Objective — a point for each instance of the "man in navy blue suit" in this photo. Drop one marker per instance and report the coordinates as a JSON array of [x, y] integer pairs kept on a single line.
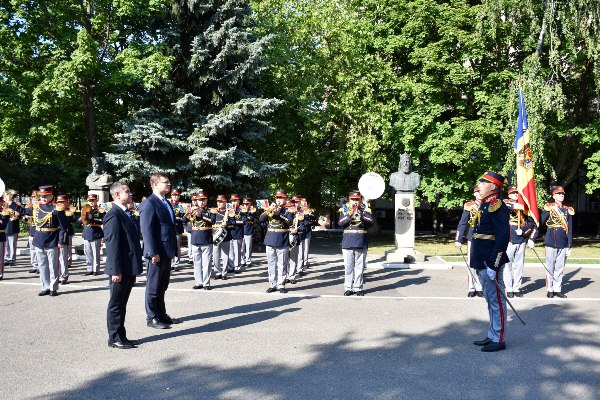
[[157, 222], [123, 263]]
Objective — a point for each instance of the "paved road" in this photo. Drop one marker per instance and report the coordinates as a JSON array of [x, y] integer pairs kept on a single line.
[[410, 337]]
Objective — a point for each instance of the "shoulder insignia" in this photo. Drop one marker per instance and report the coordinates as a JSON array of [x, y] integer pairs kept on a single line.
[[507, 201], [571, 210], [60, 207], [341, 210], [548, 206], [213, 211], [494, 205], [69, 213], [468, 205], [5, 212], [367, 209]]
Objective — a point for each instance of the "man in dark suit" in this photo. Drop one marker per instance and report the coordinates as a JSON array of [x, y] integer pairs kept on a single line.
[[123, 263], [157, 222]]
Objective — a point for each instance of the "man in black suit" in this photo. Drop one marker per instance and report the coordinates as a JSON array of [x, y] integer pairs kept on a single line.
[[123, 263], [157, 222]]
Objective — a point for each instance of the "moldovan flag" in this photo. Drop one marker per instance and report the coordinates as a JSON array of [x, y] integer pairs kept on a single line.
[[525, 175]]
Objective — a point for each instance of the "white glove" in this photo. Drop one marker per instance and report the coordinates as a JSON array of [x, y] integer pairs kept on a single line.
[[519, 231], [530, 244], [491, 273], [458, 244], [568, 254]]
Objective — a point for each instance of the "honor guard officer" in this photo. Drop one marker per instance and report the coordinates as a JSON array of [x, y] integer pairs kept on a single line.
[[558, 241], [222, 226], [354, 218], [301, 216], [91, 219], [50, 235], [179, 212], [466, 220], [249, 216], [237, 236], [201, 220], [488, 256], [65, 253], [278, 221], [521, 226], [4, 218], [12, 230]]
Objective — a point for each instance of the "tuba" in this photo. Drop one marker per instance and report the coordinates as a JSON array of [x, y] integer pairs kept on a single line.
[[86, 213], [371, 185]]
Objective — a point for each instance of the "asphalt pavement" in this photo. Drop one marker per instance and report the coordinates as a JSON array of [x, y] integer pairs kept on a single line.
[[410, 337]]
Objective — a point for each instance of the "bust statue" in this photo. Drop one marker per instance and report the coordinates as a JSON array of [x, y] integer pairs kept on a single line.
[[98, 179], [404, 180]]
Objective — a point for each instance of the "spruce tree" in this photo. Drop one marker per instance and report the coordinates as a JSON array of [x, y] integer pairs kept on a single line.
[[204, 126]]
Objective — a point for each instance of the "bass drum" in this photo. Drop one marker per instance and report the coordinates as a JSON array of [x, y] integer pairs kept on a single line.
[[293, 241], [219, 235]]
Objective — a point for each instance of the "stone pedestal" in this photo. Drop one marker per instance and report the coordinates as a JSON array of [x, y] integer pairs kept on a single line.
[[404, 231]]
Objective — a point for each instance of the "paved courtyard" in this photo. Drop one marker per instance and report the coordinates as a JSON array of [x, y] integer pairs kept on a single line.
[[410, 337]]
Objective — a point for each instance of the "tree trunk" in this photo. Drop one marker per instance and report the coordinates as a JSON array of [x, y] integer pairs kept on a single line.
[[90, 116]]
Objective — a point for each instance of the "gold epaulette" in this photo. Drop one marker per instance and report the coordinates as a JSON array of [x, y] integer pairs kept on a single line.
[[60, 207], [213, 211], [367, 209], [494, 205], [101, 210], [5, 212], [341, 210], [69, 214], [548, 206], [507, 201], [571, 210], [468, 205]]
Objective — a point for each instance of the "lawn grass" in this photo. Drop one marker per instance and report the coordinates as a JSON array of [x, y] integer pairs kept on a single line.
[[586, 250]]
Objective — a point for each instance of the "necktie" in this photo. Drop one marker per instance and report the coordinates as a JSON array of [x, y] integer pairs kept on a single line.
[[169, 208]]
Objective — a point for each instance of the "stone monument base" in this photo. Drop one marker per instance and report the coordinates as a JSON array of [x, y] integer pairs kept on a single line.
[[395, 261], [404, 255]]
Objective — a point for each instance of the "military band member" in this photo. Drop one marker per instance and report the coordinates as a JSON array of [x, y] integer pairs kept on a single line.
[[310, 220], [521, 226], [12, 230], [179, 212], [558, 219], [65, 253], [296, 230], [34, 199], [276, 241], [466, 224], [201, 220], [237, 236], [91, 219], [249, 216], [50, 235], [354, 218], [220, 252], [4, 218], [488, 256]]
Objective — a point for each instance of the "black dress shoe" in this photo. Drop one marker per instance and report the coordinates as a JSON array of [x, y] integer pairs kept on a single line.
[[121, 345], [33, 271], [197, 287], [283, 290], [271, 290], [559, 294], [550, 295], [169, 321], [219, 276], [518, 294], [96, 273], [132, 342], [156, 324], [360, 293], [483, 342], [493, 346], [471, 294], [53, 293], [301, 273], [224, 277], [238, 271], [293, 281], [88, 273], [44, 292], [510, 295], [207, 288], [348, 293], [479, 293], [65, 280]]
